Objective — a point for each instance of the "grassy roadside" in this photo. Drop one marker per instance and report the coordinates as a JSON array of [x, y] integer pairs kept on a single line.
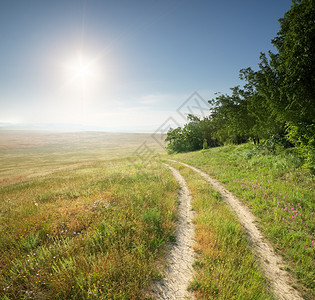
[[92, 231], [279, 193], [225, 268]]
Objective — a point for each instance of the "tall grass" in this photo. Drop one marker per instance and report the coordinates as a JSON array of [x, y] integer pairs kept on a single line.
[[91, 232], [278, 191]]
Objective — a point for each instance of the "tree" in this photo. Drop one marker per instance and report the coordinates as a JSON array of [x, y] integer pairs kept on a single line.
[[231, 121], [262, 94], [191, 137], [277, 101], [295, 63]]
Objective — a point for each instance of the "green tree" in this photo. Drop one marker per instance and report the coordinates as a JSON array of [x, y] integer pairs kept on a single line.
[[231, 121], [261, 92], [277, 102], [191, 137], [295, 63]]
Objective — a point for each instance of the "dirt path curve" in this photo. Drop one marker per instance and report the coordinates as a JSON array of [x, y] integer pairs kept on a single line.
[[179, 270], [272, 264]]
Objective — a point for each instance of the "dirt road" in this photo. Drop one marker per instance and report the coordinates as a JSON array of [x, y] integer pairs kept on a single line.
[[271, 263], [180, 259]]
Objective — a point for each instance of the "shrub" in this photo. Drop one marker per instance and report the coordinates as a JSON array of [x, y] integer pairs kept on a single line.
[[302, 136]]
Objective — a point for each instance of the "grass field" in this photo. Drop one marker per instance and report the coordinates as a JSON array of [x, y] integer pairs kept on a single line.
[[82, 216], [278, 191], [79, 222]]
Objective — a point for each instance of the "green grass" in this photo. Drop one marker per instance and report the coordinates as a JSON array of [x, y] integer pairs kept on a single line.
[[85, 233], [225, 268], [82, 230], [79, 220], [278, 191]]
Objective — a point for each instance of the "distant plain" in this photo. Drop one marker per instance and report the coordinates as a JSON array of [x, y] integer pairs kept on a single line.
[[24, 154]]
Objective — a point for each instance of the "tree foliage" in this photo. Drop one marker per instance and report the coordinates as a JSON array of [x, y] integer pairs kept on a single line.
[[295, 62], [277, 101], [192, 136]]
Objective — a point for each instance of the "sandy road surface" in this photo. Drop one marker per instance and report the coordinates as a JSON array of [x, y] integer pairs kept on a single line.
[[179, 270]]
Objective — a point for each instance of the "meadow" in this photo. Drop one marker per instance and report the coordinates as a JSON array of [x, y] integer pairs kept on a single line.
[[83, 216], [77, 221], [278, 191]]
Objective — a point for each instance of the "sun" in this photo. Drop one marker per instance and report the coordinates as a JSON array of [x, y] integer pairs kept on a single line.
[[82, 70]]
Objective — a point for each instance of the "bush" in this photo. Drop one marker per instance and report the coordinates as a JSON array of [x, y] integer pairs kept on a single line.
[[302, 136]]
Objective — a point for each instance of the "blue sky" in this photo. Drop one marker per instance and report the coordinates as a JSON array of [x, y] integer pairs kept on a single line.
[[124, 65]]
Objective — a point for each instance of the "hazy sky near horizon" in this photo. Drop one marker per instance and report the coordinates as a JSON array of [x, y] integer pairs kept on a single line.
[[125, 65]]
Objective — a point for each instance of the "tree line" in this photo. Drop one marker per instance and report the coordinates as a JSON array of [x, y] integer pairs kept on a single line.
[[276, 104]]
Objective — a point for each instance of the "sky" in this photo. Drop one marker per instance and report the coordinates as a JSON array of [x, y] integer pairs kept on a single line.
[[121, 65]]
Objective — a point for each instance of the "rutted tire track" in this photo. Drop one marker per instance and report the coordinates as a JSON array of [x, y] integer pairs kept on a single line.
[[272, 264], [180, 259]]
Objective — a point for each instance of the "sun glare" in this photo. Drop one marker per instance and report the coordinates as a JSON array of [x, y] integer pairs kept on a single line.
[[82, 70]]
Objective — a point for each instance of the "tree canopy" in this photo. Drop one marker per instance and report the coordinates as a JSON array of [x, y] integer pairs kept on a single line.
[[276, 102]]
